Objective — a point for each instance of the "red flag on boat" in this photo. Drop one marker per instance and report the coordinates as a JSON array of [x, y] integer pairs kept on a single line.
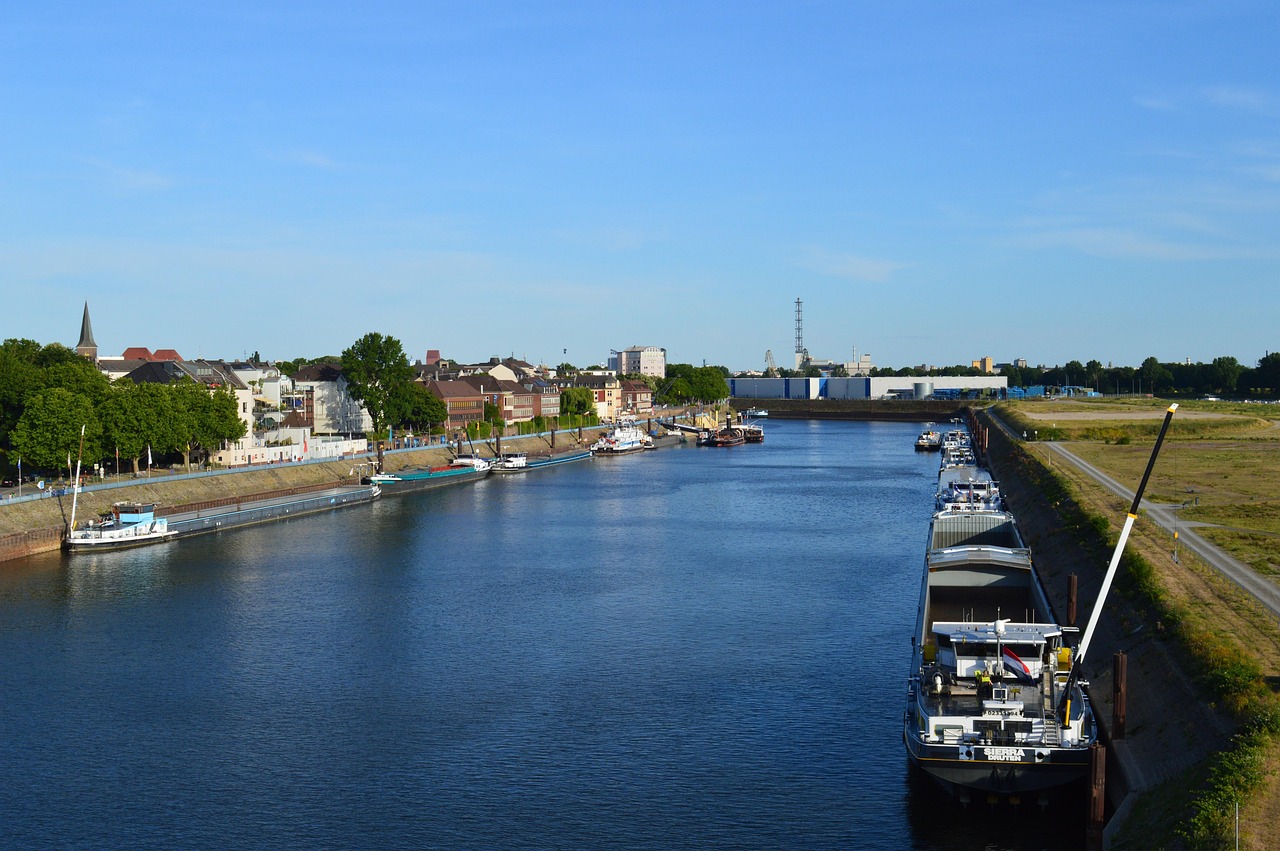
[[1015, 664]]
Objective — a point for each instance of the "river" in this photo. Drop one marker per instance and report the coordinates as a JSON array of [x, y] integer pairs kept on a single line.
[[683, 648]]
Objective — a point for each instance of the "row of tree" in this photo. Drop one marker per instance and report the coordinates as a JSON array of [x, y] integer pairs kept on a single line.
[[1223, 375], [47, 393]]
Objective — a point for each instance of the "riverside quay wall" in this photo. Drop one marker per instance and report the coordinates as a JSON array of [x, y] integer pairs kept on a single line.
[[857, 409], [31, 526]]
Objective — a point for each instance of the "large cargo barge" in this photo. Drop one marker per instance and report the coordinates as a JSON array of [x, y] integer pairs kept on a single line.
[[990, 667], [996, 703], [411, 480], [250, 512]]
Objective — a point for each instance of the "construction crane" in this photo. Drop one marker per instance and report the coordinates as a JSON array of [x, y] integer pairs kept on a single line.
[[770, 368]]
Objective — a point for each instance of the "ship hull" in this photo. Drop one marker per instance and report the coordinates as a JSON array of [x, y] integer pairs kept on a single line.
[[998, 770]]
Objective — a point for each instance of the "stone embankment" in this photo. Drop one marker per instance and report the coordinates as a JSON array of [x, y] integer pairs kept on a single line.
[[856, 409], [31, 527]]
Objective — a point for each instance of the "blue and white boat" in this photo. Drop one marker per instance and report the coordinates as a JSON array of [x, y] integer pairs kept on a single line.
[[624, 437], [128, 524], [520, 462]]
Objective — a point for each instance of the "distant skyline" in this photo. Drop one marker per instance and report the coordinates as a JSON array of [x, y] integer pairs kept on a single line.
[[937, 182]]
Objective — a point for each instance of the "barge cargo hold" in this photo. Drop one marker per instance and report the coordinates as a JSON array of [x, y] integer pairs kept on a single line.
[[990, 668], [261, 511]]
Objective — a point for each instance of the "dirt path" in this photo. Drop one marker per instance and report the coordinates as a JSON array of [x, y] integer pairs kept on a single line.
[[1101, 415]]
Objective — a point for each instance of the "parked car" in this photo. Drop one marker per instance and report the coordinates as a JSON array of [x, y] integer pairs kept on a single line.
[[8, 483]]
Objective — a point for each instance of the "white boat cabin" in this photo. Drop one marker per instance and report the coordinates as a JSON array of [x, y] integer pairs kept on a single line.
[[1019, 650]]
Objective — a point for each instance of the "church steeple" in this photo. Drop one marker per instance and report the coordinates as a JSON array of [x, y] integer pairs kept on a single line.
[[87, 347]]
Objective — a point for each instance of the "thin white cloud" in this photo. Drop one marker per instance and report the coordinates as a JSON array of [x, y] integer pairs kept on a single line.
[[1270, 173], [1244, 100], [1234, 98], [310, 159], [1155, 104], [613, 239], [850, 266], [1124, 243], [131, 179]]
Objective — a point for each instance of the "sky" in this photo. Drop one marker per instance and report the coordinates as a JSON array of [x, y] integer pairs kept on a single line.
[[936, 181]]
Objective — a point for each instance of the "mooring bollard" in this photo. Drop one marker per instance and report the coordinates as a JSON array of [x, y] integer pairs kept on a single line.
[[1120, 692]]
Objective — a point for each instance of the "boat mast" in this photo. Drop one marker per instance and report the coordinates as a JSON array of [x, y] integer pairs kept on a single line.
[[75, 484], [1124, 536]]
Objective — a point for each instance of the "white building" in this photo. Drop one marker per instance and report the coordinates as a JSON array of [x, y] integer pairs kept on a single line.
[[328, 407], [905, 387], [644, 360]]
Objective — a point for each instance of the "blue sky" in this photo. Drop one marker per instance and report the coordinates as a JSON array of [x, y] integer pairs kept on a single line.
[[936, 181]]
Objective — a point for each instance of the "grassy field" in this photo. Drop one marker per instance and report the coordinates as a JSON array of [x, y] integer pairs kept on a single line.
[[1222, 462]]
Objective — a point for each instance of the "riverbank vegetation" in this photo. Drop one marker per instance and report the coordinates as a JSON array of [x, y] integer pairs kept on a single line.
[[48, 394], [1223, 375], [1218, 463]]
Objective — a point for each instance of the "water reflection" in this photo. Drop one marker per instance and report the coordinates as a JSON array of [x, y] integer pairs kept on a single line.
[[684, 647]]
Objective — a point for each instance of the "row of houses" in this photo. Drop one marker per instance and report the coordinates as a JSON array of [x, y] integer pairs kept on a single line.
[[312, 413], [317, 396]]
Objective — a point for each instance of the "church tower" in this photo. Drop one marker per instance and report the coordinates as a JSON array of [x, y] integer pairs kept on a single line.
[[87, 347]]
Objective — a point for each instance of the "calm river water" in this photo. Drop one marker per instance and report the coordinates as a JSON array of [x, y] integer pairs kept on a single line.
[[684, 648]]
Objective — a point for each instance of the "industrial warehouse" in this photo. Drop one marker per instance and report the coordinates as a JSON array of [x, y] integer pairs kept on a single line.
[[863, 387]]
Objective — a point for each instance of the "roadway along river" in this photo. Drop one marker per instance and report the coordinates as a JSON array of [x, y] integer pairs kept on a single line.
[[688, 647]]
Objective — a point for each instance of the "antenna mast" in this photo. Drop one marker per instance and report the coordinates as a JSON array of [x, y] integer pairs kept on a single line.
[[799, 333]]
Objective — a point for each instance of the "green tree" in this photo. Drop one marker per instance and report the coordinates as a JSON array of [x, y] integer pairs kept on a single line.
[[566, 369], [19, 375], [1074, 373], [79, 376], [202, 419], [127, 419], [1155, 376], [1093, 373], [493, 416], [678, 392], [421, 409], [1268, 372], [708, 384], [377, 371], [1224, 372], [577, 401], [49, 429]]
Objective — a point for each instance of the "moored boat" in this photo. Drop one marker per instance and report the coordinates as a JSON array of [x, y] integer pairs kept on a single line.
[[996, 702], [990, 668], [523, 463], [624, 437], [727, 436], [473, 461], [403, 481], [128, 524], [511, 462], [929, 441]]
